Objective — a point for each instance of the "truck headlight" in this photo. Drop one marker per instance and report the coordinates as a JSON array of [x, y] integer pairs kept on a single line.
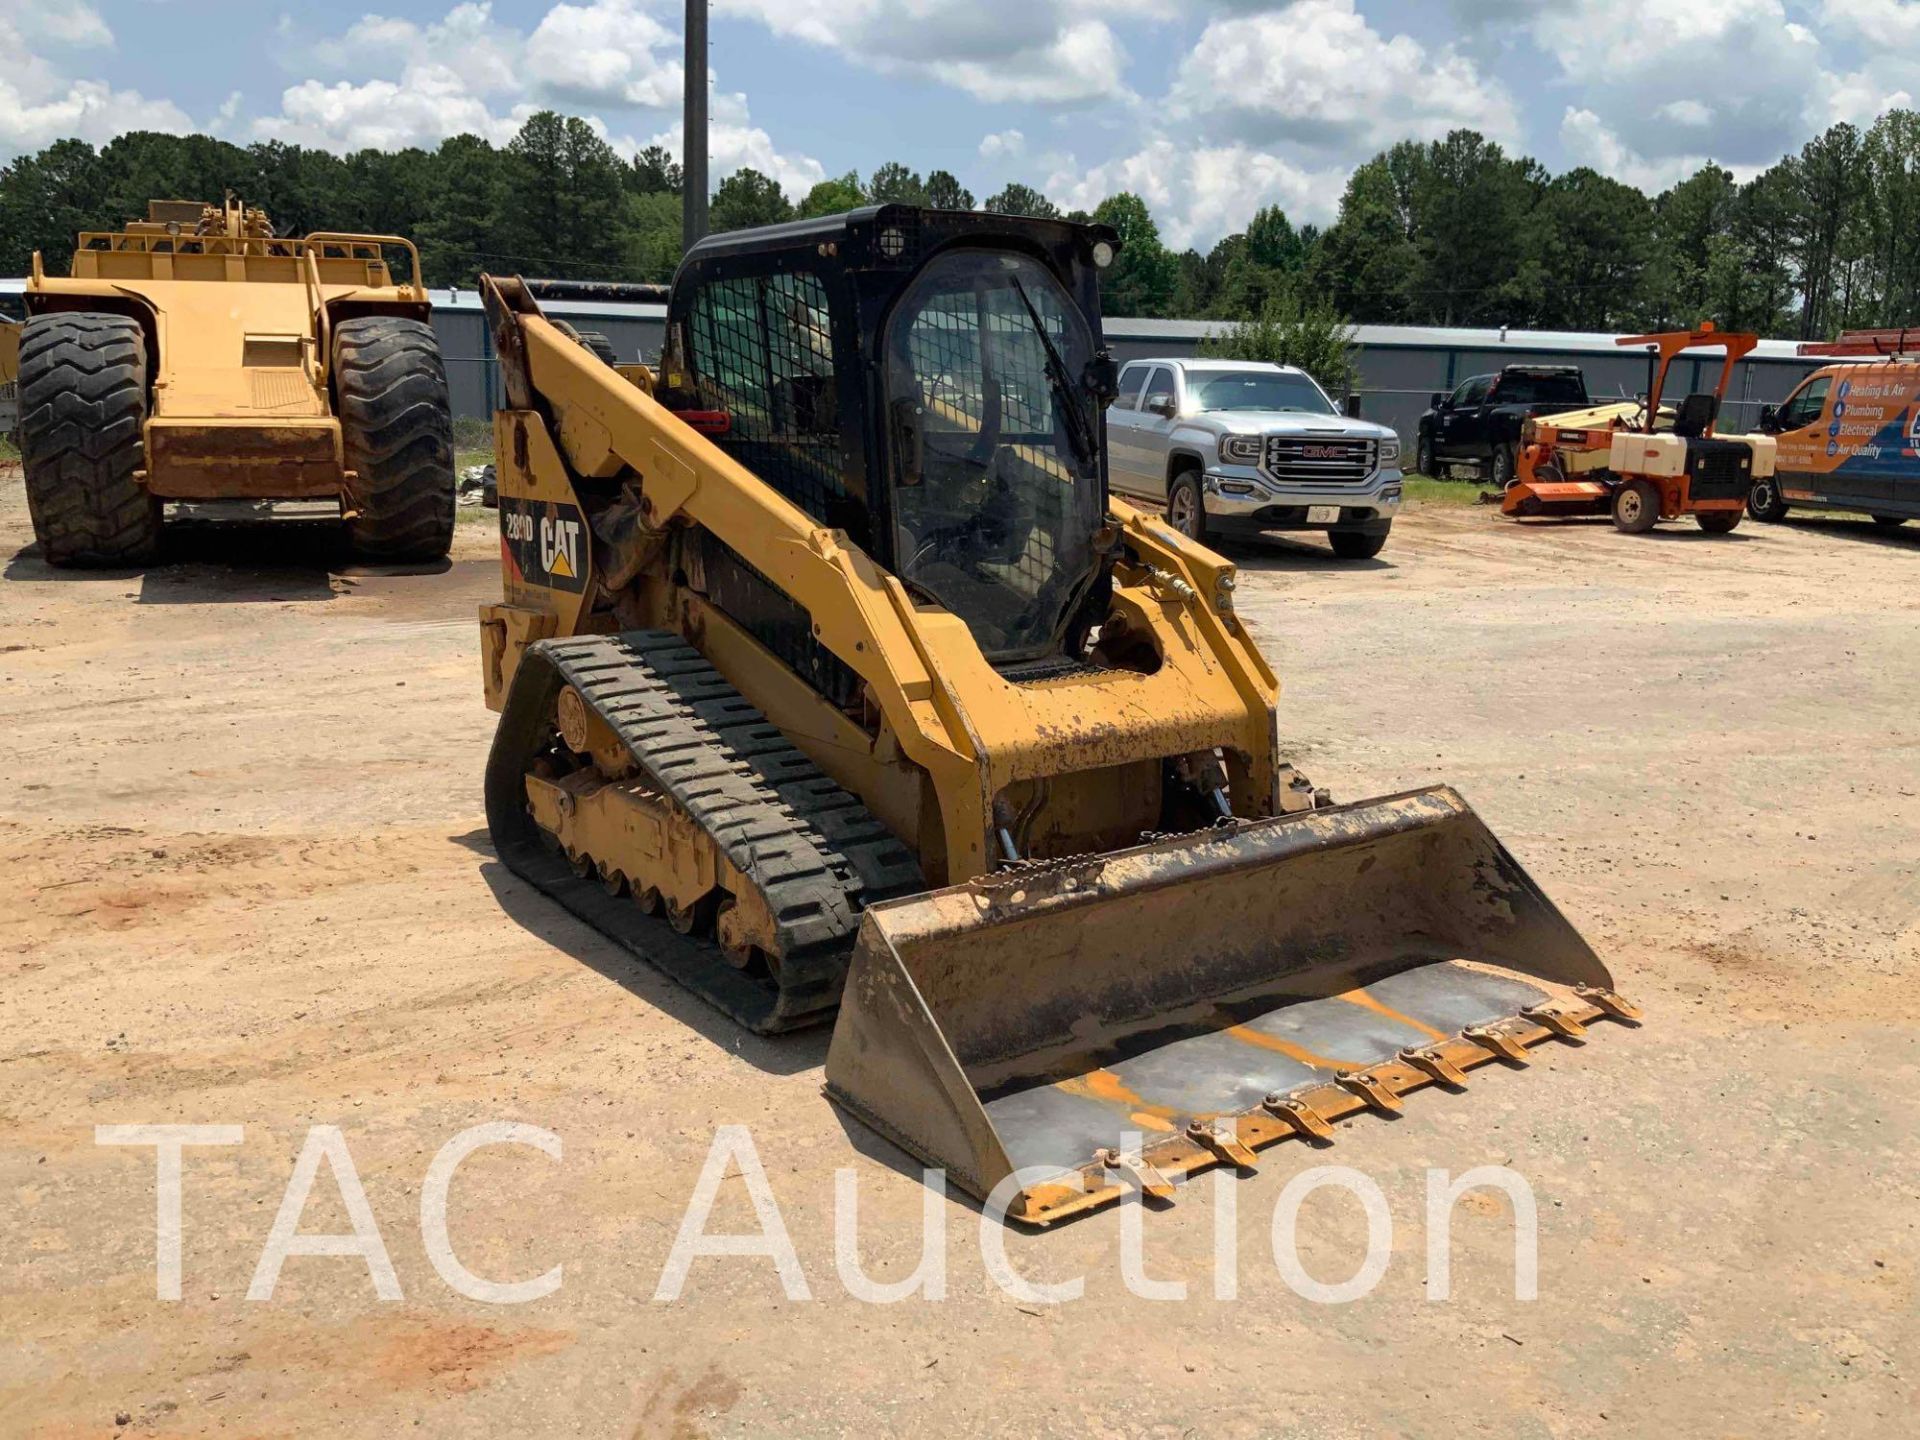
[[1240, 449], [1390, 451]]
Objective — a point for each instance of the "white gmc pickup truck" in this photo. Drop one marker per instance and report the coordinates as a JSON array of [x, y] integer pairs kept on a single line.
[[1229, 445]]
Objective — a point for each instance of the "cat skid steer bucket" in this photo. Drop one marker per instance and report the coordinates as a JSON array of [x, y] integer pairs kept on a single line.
[[1056, 1036]]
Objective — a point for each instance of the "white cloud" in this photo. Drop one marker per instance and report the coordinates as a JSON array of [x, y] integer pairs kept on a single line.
[[65, 24], [468, 72], [1868, 93], [1083, 62], [465, 42], [1198, 195], [1589, 141], [606, 53], [1317, 74], [734, 143], [1686, 112], [41, 103], [1657, 56], [1003, 145], [1887, 24], [448, 74], [428, 105], [1040, 52]]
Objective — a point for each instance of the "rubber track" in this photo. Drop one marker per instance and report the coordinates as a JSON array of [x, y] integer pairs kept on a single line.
[[83, 399], [391, 387], [813, 850]]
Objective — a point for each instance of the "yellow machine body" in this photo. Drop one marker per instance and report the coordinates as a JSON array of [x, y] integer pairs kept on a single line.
[[1057, 995], [238, 326], [952, 735]]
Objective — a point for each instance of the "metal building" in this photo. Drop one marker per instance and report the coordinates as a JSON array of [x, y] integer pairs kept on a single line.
[[1401, 366]]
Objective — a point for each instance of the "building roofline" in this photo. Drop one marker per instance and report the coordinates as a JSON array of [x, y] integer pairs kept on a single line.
[[1517, 343]]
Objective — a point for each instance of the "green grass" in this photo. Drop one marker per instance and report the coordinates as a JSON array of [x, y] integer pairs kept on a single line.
[[9, 452], [473, 445], [470, 432], [1442, 492]]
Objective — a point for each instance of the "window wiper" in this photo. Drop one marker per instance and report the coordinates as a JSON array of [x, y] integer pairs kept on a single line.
[[1079, 429]]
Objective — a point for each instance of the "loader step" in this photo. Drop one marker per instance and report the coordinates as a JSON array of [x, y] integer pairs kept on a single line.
[[813, 851]]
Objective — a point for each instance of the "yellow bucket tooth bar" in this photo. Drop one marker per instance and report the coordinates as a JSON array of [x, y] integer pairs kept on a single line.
[[1113, 1024], [1311, 1113]]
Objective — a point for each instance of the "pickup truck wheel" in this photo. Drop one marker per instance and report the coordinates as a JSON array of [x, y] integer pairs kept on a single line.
[[1636, 508], [1352, 545], [1423, 456], [1764, 502], [1186, 510], [1502, 467]]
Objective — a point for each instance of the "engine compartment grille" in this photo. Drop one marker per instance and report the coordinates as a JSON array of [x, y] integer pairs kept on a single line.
[[1719, 469], [1313, 460]]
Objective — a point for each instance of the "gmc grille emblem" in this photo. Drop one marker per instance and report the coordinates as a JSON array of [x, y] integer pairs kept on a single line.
[[1322, 452]]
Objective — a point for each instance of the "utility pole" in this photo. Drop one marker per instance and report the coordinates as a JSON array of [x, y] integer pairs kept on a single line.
[[693, 128]]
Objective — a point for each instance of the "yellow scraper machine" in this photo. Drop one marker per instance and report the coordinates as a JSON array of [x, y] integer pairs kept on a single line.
[[197, 357], [830, 674]]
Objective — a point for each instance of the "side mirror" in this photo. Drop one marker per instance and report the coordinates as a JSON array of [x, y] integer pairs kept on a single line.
[[1438, 401], [1102, 377], [1161, 404], [1353, 406], [1769, 419]]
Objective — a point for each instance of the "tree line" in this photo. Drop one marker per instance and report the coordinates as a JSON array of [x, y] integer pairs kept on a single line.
[[1449, 232]]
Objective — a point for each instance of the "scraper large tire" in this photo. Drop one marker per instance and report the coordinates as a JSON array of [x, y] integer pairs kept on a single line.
[[83, 401], [391, 389]]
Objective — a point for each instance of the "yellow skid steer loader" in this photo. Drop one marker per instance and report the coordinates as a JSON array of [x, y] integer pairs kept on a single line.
[[829, 673]]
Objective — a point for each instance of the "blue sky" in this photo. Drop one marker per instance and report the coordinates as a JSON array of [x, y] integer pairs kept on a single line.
[[1207, 110]]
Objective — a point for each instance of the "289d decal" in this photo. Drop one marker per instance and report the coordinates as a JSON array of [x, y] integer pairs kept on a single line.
[[544, 542]]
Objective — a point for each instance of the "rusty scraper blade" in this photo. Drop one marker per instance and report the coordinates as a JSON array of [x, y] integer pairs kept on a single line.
[[1112, 1025]]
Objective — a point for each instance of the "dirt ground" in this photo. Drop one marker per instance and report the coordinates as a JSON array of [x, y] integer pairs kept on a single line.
[[247, 882]]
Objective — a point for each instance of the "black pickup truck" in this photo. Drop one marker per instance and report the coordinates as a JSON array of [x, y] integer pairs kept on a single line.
[[1479, 424]]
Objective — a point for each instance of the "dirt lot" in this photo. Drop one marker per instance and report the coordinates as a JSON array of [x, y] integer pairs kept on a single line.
[[248, 883]]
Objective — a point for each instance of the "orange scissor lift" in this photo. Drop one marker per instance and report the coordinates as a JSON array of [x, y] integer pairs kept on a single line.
[[1639, 463]]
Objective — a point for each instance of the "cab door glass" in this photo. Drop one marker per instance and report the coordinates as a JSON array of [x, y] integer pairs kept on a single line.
[[1471, 393], [1123, 424], [1807, 404], [1461, 424], [997, 489], [1159, 383]]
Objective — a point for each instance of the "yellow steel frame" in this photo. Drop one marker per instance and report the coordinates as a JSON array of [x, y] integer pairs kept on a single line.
[[944, 709]]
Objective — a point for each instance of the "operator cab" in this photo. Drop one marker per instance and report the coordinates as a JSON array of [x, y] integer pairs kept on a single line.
[[930, 382]]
